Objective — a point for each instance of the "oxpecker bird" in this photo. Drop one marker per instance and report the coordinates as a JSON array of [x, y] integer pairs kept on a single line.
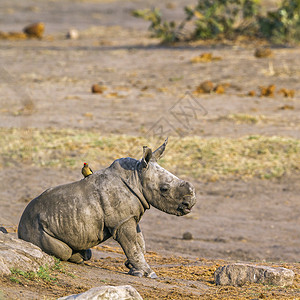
[[86, 170]]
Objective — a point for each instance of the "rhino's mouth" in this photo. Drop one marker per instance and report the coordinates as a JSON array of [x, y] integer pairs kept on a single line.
[[186, 205], [184, 208]]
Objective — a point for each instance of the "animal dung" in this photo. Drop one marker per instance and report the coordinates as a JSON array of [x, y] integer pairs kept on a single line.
[[286, 106], [205, 57], [252, 93], [12, 35], [205, 87], [263, 52], [220, 88], [187, 236], [287, 93], [35, 30], [267, 91], [98, 89]]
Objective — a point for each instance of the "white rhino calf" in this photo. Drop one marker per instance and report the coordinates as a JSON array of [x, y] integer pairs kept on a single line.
[[67, 220]]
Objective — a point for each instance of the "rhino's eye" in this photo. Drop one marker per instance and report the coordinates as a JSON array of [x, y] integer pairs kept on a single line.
[[164, 188]]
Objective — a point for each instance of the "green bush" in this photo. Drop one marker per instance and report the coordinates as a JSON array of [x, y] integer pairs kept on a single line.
[[282, 25], [229, 19], [223, 18], [167, 31]]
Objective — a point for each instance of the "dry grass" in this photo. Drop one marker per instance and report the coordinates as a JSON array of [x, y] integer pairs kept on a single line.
[[208, 159]]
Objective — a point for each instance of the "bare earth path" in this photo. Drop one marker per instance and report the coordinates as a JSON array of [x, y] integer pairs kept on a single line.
[[46, 83]]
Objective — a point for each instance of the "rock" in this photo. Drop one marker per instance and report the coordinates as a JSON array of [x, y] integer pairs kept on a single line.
[[107, 292], [18, 254], [238, 274], [187, 236], [35, 30], [73, 34]]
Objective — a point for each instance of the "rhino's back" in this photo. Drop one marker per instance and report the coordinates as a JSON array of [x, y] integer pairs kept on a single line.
[[70, 212]]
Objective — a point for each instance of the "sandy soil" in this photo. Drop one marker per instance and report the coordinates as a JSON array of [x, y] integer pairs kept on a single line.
[[145, 82]]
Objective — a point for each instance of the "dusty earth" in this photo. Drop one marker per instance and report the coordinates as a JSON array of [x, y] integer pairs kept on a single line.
[[46, 83]]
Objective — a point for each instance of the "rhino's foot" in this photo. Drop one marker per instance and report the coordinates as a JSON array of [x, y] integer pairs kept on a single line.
[[141, 273], [152, 275], [76, 258], [86, 254], [81, 256], [135, 272]]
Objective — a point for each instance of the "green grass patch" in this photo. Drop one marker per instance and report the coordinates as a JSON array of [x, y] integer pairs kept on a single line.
[[244, 118], [44, 274], [207, 159]]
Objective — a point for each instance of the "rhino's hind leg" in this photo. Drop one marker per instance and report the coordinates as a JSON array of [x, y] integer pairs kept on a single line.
[[55, 247]]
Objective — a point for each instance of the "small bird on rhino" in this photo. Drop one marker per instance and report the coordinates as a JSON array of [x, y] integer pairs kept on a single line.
[[86, 170]]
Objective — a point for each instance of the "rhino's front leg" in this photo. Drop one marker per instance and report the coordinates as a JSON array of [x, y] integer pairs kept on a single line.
[[141, 243], [127, 237]]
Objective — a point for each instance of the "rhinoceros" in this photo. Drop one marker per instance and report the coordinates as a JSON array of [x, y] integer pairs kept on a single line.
[[67, 220]]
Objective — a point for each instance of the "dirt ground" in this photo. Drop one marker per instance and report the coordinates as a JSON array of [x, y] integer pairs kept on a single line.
[[46, 83]]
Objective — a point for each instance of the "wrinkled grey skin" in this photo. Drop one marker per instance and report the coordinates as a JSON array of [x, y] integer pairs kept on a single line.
[[67, 220]]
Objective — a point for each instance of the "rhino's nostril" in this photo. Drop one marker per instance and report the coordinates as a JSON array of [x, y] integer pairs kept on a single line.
[[187, 205]]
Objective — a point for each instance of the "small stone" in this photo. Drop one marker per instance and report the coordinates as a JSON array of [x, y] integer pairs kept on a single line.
[[187, 236], [107, 292], [35, 30], [72, 34], [239, 274]]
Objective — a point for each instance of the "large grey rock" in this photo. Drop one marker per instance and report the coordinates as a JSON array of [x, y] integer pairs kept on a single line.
[[18, 254], [123, 292], [238, 274]]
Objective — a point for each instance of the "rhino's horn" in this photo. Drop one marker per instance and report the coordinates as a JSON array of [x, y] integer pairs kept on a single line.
[[157, 154]]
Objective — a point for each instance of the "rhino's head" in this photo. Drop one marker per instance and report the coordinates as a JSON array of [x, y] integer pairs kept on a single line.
[[161, 188]]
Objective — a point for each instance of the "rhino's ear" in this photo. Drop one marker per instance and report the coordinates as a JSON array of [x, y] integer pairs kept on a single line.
[[157, 154], [147, 155]]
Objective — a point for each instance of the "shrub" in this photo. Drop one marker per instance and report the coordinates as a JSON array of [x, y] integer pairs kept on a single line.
[[228, 19], [222, 17], [283, 24]]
